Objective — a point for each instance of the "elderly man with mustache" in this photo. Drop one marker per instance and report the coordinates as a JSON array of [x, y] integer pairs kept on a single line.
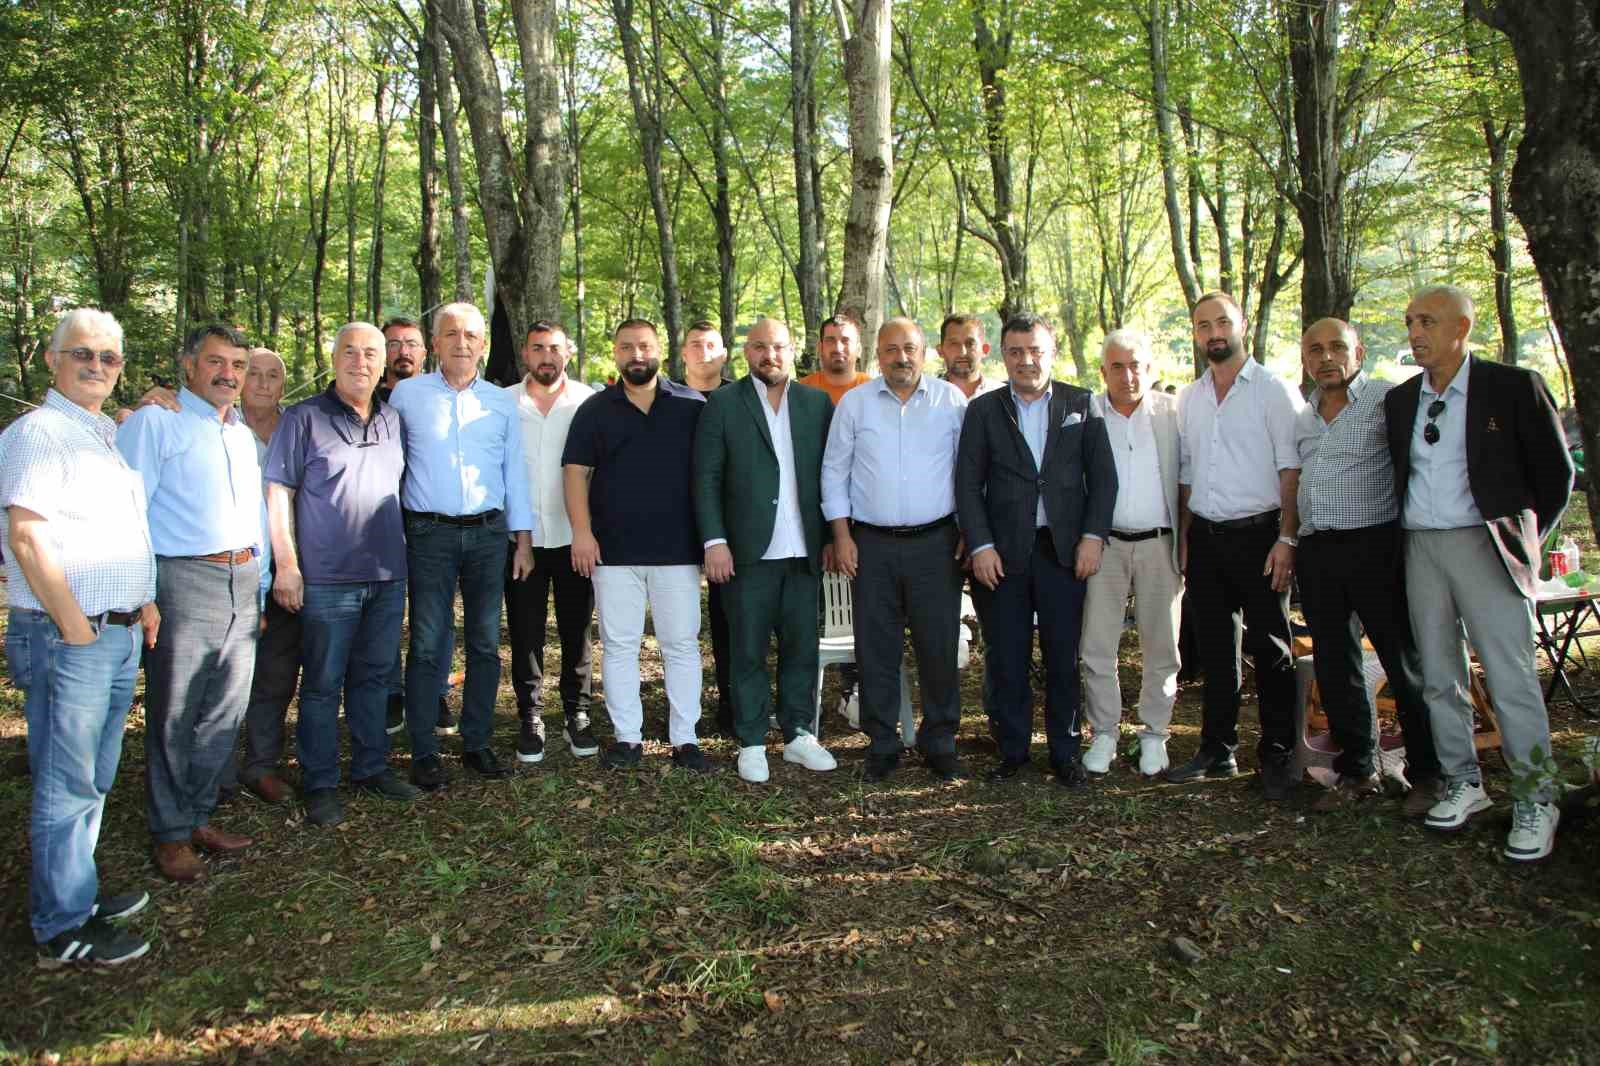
[[202, 483]]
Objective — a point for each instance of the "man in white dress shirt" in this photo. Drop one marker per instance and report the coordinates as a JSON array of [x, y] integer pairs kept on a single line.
[[1141, 557], [1239, 471], [546, 401]]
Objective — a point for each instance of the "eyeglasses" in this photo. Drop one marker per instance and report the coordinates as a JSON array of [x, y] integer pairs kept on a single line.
[[403, 346], [109, 359], [1430, 432]]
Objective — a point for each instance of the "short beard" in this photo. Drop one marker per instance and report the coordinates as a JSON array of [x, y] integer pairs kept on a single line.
[[546, 375], [1227, 353], [640, 375], [770, 377], [399, 374]]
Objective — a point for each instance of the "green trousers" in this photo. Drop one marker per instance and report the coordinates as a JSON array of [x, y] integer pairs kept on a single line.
[[766, 597]]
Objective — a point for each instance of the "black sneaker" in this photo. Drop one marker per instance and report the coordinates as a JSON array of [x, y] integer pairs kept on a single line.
[[484, 763], [945, 766], [620, 756], [388, 785], [580, 738], [879, 767], [115, 908], [1070, 774], [96, 941], [690, 757], [323, 807], [530, 744], [428, 773], [446, 726], [1204, 765], [395, 716], [1277, 777]]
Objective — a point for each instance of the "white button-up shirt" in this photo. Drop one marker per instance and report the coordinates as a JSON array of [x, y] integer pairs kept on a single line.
[[890, 463], [1141, 498], [788, 532], [1438, 495], [543, 438], [1230, 452]]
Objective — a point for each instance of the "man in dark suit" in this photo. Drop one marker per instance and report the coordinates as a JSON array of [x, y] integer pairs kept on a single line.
[[758, 501], [1035, 487], [1482, 472]]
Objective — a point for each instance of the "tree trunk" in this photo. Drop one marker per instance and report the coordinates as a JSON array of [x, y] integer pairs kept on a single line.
[[460, 227], [1327, 285], [1498, 141], [574, 134], [1554, 181], [380, 176], [426, 259], [866, 228], [1010, 245], [1156, 30], [802, 85]]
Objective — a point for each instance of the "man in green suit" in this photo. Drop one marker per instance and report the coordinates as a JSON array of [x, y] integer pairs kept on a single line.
[[758, 500]]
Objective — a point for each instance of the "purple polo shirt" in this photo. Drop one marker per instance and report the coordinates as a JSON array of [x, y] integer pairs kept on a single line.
[[346, 480]]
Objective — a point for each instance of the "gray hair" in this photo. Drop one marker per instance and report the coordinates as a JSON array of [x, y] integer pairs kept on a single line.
[[1451, 292], [459, 309], [86, 318], [268, 351], [1129, 340], [348, 327]]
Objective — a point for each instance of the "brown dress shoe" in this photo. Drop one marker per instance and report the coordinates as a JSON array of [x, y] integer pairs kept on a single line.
[[178, 862], [269, 787], [1423, 795], [211, 838]]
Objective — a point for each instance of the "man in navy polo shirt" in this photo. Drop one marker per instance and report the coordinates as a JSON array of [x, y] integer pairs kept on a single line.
[[338, 539], [628, 473]]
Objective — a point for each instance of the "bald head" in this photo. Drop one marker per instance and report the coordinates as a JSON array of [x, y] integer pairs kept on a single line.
[[769, 350], [263, 381], [1332, 353], [1439, 322]]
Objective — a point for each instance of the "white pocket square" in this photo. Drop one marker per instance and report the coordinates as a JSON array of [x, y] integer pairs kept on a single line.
[[1072, 418]]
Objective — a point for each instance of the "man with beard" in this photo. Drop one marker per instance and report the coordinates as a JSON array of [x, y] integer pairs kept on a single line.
[[888, 488], [465, 491], [627, 469], [1351, 576], [963, 347], [1035, 484], [203, 486], [546, 401], [333, 491], [404, 353], [705, 370], [1238, 475], [758, 497], [837, 353]]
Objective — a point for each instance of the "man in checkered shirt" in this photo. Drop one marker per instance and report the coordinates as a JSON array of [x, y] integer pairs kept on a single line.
[[82, 580]]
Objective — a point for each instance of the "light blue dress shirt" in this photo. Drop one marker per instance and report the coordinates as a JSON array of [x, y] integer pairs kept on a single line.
[[1033, 422], [1438, 495], [463, 450], [889, 463]]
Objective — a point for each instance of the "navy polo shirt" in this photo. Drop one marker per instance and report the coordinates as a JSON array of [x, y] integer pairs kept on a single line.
[[346, 477], [641, 502]]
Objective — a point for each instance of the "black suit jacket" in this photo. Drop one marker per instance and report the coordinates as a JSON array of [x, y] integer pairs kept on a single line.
[[998, 486], [1518, 468]]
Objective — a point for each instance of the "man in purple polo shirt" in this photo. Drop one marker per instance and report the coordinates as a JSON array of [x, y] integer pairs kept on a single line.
[[333, 499]]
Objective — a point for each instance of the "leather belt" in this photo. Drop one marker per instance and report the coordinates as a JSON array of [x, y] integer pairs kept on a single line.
[[235, 558], [907, 531], [483, 518], [1143, 534], [1265, 518], [116, 618]]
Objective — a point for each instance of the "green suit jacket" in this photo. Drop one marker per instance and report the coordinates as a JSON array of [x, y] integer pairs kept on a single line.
[[736, 469]]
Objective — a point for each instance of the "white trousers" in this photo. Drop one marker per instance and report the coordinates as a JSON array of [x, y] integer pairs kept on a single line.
[[672, 594], [1143, 567]]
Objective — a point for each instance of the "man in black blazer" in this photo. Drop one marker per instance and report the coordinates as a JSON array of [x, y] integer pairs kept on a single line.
[[1035, 487], [1482, 472]]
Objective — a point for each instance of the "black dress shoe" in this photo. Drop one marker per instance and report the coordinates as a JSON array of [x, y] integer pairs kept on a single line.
[[428, 773], [1007, 769], [1070, 774], [945, 766], [1204, 764], [483, 763], [879, 767], [1277, 777]]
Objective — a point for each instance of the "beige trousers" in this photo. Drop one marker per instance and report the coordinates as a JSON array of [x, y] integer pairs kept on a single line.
[[1144, 568]]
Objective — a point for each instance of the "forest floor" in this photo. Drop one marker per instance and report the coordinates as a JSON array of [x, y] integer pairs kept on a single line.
[[570, 914]]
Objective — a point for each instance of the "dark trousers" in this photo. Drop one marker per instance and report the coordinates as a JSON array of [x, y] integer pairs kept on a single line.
[[527, 609], [721, 655], [1225, 582], [271, 691], [908, 582], [1350, 580], [1051, 590], [766, 597]]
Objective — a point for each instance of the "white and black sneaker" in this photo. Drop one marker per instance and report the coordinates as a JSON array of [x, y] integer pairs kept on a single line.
[[530, 743], [580, 738], [95, 942], [115, 908]]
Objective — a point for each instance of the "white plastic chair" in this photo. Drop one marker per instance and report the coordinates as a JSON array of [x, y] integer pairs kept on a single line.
[[838, 645]]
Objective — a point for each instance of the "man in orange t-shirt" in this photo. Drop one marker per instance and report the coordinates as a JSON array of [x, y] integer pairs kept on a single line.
[[837, 351]]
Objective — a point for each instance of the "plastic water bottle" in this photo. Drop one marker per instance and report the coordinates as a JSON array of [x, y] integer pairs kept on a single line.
[[1569, 550]]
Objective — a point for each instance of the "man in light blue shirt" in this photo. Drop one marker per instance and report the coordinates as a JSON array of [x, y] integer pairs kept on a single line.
[[465, 489], [203, 486], [888, 488]]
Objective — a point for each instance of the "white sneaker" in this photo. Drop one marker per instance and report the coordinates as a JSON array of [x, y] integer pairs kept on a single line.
[[753, 763], [806, 750], [1102, 749], [850, 708], [1462, 799], [1152, 755], [1533, 830]]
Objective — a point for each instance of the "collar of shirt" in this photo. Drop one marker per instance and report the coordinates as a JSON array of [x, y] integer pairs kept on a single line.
[[1027, 405], [1247, 373], [1353, 393], [566, 396], [95, 422], [193, 404], [1458, 384], [882, 385], [664, 387], [761, 393]]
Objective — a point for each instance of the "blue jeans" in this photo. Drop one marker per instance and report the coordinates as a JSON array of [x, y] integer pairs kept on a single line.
[[439, 557], [346, 631], [76, 701]]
